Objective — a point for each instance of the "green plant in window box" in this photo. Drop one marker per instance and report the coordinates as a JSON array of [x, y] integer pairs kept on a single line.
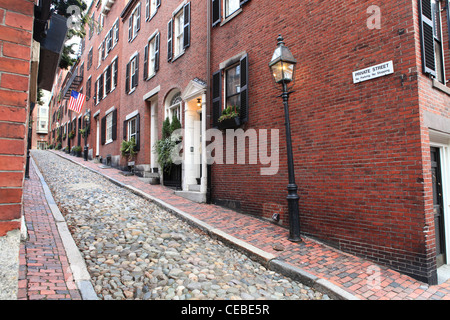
[[72, 134], [84, 132], [229, 118]]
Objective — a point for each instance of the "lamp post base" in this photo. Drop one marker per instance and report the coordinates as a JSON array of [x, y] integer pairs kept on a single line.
[[294, 219]]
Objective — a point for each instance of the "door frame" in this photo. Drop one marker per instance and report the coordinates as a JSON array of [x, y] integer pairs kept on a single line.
[[442, 142]]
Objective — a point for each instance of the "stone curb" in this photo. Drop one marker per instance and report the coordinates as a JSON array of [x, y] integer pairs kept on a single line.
[[269, 260], [77, 264]]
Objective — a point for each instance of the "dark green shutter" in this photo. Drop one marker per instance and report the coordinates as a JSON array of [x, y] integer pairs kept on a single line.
[[157, 53], [125, 124], [103, 130], [169, 40], [244, 89], [130, 28], [146, 62], [114, 124], [215, 12], [138, 133], [216, 97], [427, 37], [187, 25], [127, 79]]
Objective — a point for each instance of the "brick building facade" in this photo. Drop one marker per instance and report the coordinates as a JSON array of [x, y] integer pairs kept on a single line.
[[371, 157]]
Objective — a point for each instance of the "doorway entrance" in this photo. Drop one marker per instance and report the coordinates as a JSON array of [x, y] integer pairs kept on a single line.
[[438, 205]]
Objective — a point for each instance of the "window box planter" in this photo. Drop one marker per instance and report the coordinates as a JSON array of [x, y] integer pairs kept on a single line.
[[230, 123]]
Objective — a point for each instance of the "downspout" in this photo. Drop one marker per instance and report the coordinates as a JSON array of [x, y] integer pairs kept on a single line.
[[208, 93]]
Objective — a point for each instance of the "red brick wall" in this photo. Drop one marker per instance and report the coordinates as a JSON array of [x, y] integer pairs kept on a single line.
[[16, 31], [357, 147]]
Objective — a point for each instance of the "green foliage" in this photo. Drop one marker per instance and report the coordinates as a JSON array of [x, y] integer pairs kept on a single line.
[[229, 113], [58, 146], [76, 149], [128, 148], [175, 124], [166, 129]]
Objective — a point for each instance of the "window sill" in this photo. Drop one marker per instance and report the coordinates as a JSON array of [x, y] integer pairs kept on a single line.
[[178, 56], [132, 90], [150, 76], [231, 16], [108, 142], [441, 87]]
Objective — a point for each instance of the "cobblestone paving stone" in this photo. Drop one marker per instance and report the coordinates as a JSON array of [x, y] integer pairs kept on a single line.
[[136, 250]]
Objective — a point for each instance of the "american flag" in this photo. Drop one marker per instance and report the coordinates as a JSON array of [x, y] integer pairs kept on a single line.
[[76, 101]]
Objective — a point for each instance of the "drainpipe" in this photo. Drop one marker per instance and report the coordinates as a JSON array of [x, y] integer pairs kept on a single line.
[[206, 119]]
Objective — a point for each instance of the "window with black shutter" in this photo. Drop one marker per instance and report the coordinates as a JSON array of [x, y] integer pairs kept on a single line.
[[146, 62], [431, 39], [88, 89], [215, 12], [101, 88], [138, 135], [114, 124], [127, 78]]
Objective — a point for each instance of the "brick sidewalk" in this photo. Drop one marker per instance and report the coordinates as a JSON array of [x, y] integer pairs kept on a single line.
[[357, 276], [44, 272]]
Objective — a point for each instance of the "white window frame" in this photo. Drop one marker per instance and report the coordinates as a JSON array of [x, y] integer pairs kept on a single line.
[[226, 7], [134, 17], [132, 62], [104, 83], [130, 133], [115, 28], [109, 125], [178, 33], [225, 95], [100, 47], [178, 106], [113, 65], [151, 57]]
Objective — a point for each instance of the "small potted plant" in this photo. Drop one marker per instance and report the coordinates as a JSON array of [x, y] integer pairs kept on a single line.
[[128, 150], [229, 118], [77, 151]]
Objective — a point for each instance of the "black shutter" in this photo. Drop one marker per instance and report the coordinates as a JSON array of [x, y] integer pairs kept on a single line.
[[187, 25], [116, 30], [127, 79], [216, 96], [114, 124], [158, 3], [215, 12], [427, 37], [95, 91], [103, 130], [242, 2], [130, 28], [101, 87], [125, 123], [157, 52], [103, 50], [88, 89], [138, 134], [146, 62], [108, 79], [147, 9], [243, 110], [116, 72], [169, 39]]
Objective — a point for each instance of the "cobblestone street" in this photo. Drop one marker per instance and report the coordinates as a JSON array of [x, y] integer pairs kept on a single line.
[[136, 250]]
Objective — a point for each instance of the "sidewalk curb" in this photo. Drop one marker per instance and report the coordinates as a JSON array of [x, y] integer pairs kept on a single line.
[[81, 276], [269, 260]]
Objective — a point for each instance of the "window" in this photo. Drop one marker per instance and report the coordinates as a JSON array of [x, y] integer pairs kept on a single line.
[[91, 26], [101, 53], [89, 62], [234, 87], [109, 127], [134, 23], [179, 32], [115, 33], [174, 108], [151, 57], [431, 39], [132, 72], [231, 6], [132, 129], [151, 6], [114, 72]]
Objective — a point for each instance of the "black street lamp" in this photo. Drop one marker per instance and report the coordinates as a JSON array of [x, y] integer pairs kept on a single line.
[[282, 67]]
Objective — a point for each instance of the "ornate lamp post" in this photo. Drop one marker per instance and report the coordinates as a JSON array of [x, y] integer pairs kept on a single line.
[[282, 67]]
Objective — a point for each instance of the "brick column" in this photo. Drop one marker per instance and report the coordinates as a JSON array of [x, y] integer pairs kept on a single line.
[[16, 36]]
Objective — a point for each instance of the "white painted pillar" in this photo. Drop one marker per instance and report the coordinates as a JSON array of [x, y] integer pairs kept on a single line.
[[204, 177]]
